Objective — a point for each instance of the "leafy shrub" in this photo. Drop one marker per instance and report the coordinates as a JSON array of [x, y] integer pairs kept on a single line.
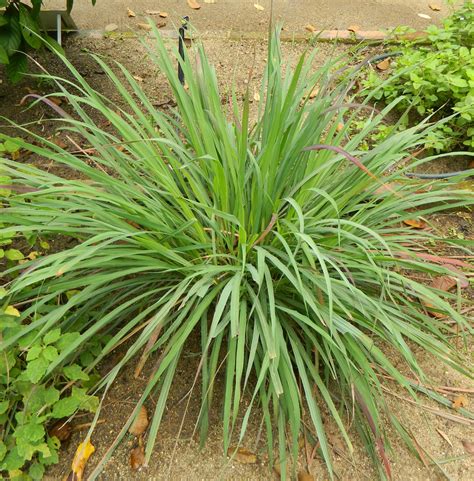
[[437, 79], [277, 244], [20, 30], [29, 403]]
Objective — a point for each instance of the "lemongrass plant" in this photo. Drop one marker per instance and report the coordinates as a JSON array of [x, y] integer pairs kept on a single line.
[[278, 243]]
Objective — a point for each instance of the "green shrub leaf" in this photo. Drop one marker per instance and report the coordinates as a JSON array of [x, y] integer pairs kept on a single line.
[[14, 255], [74, 372], [29, 28], [36, 369], [31, 432], [50, 353], [34, 353], [52, 336]]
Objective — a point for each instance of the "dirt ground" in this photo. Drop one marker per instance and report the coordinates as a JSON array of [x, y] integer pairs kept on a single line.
[[242, 15], [180, 458]]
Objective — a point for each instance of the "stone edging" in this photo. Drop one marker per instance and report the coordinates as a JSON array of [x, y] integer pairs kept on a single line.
[[342, 36]]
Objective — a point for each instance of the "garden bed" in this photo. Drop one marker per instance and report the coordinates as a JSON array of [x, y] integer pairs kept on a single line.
[[434, 434]]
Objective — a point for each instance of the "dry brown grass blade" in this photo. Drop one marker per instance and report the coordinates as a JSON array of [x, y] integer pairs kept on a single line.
[[435, 411], [146, 352], [267, 230], [378, 440]]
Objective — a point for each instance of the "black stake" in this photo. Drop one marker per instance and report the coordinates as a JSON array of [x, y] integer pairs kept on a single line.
[[182, 30]]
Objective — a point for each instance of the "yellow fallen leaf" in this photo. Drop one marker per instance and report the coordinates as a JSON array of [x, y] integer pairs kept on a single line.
[[194, 5], [353, 28], [12, 311], [163, 14], [305, 476], [33, 255], [460, 402], [242, 455], [130, 13], [434, 7], [258, 6], [144, 26], [83, 453], [138, 78], [415, 223], [384, 64], [310, 28]]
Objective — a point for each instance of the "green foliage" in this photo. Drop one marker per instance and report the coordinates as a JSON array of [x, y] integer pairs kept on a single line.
[[292, 268], [20, 30], [437, 79], [30, 399]]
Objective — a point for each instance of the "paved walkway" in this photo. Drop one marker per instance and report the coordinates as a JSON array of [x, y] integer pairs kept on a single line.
[[242, 15]]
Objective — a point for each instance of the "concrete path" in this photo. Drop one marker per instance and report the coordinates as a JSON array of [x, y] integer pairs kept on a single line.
[[243, 16]]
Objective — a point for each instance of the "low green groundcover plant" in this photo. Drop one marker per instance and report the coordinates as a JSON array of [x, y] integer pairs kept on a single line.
[[279, 244], [437, 79]]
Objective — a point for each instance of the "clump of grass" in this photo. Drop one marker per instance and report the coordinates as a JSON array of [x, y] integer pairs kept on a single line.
[[280, 244]]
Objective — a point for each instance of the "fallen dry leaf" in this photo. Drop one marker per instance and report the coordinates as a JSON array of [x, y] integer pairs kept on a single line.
[[435, 7], [460, 401], [144, 26], [137, 457], [194, 5], [468, 446], [61, 429], [140, 424], [446, 283], [56, 100], [305, 476], [258, 6], [242, 455], [444, 436], [83, 453], [354, 28], [163, 14], [384, 64], [310, 28], [130, 13], [138, 78], [415, 223]]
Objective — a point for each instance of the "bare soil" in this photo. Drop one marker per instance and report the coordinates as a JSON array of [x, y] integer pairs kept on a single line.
[[177, 455]]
